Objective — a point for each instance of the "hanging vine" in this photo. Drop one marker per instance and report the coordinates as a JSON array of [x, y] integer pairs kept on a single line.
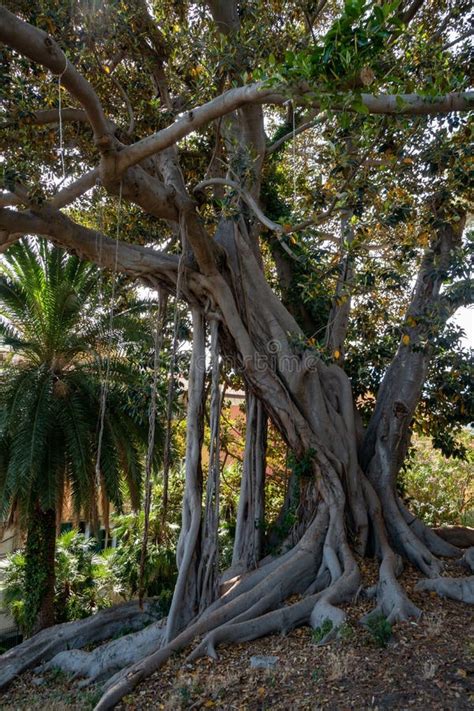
[[209, 564], [158, 345]]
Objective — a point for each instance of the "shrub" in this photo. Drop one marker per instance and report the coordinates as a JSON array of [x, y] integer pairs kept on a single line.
[[319, 633], [440, 490], [82, 581], [160, 566], [379, 629]]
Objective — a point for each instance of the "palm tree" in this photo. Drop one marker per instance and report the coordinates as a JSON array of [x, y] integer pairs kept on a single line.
[[52, 321]]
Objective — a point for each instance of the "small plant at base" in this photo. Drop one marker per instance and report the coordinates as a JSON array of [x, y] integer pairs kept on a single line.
[[185, 694], [88, 699], [380, 629], [346, 632], [319, 633], [57, 675]]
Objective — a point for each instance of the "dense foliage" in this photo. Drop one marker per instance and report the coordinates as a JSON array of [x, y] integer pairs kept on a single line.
[[61, 355]]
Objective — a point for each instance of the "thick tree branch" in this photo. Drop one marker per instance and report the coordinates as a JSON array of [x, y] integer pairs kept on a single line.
[[407, 15], [143, 263], [8, 198], [64, 197], [40, 47], [44, 117], [76, 189], [225, 15], [407, 104]]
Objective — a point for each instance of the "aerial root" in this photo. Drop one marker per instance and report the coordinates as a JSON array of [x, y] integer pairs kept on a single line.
[[292, 575], [461, 589]]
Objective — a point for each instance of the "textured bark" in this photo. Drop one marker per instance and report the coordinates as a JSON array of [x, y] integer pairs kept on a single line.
[[185, 603], [74, 635], [107, 659], [40, 574], [247, 549]]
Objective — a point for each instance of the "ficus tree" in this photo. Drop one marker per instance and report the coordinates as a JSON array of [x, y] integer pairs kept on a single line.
[[283, 168]]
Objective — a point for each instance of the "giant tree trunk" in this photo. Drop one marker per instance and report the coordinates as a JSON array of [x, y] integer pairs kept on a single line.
[[40, 575]]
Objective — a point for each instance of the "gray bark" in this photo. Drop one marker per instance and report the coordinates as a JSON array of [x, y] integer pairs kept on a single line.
[[251, 510], [185, 602], [46, 644]]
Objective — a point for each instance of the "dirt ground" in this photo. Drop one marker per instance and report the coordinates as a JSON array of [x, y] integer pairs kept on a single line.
[[427, 665]]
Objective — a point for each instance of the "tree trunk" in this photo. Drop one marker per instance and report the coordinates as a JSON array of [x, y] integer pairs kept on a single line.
[[251, 510], [40, 575], [185, 602]]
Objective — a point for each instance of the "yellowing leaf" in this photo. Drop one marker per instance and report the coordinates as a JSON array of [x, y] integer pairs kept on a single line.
[[406, 339], [337, 354]]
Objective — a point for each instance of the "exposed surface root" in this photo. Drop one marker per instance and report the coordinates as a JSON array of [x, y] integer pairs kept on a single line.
[[49, 642], [437, 544], [109, 658], [406, 539], [323, 612], [343, 588], [321, 565], [392, 600], [468, 559], [282, 620], [292, 575], [461, 589], [460, 536], [319, 606]]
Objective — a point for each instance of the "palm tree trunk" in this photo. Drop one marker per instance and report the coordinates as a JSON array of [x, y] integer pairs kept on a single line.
[[40, 573]]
